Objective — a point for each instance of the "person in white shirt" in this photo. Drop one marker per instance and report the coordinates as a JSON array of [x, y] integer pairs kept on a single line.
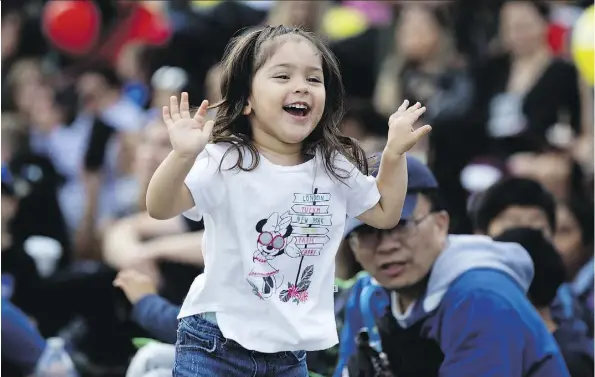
[[274, 181]]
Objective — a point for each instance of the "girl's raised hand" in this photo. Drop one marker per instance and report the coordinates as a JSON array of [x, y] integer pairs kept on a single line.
[[188, 135], [401, 135]]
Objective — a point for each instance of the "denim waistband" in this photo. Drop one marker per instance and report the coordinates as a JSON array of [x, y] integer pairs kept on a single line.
[[209, 317]]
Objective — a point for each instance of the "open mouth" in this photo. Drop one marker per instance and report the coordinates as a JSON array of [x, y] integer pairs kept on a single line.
[[393, 268], [297, 109]]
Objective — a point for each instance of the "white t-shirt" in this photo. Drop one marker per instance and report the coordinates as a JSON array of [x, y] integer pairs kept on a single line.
[[271, 235]]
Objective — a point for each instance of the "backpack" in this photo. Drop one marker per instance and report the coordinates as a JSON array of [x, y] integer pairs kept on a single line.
[[409, 351]]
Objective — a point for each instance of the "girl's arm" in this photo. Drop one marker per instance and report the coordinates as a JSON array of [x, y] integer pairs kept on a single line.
[[392, 175], [167, 195], [392, 185]]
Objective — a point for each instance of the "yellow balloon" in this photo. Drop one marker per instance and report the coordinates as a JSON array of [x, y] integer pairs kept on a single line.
[[343, 22], [583, 41], [205, 3]]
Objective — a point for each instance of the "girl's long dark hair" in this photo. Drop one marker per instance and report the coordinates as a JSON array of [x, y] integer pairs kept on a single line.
[[243, 56]]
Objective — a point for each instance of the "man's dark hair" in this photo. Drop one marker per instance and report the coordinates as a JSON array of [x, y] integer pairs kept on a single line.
[[549, 269], [512, 192]]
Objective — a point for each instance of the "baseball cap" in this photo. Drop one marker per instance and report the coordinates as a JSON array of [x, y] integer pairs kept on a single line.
[[419, 177]]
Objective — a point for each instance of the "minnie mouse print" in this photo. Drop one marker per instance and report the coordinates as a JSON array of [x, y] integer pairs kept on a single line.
[[272, 241]]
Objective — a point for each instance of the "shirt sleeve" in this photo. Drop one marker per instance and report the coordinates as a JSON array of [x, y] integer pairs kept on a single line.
[[22, 344], [158, 316], [362, 191], [205, 183]]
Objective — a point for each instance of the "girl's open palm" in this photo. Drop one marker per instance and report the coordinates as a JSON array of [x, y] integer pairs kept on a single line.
[[188, 135], [401, 135]]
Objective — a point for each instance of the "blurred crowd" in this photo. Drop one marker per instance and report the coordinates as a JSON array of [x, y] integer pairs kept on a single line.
[[81, 133]]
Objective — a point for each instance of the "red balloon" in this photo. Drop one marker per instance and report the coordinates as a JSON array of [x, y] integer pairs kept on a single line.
[[72, 26], [149, 27]]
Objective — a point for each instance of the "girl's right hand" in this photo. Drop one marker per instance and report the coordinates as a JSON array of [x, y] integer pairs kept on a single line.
[[188, 136]]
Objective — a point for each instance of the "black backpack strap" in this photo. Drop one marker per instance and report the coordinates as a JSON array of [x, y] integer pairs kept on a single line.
[[367, 362]]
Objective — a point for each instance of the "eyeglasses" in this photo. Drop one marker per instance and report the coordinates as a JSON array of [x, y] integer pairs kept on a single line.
[[405, 229], [268, 239]]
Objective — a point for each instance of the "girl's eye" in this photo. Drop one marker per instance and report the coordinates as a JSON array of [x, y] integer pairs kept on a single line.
[[282, 77], [315, 79]]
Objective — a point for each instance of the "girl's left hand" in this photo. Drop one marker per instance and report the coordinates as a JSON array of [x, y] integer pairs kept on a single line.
[[401, 135]]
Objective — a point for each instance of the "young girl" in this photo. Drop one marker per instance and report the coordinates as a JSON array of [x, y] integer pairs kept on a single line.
[[274, 181]]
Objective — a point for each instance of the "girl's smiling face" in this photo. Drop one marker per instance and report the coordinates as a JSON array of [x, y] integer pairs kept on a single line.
[[288, 93]]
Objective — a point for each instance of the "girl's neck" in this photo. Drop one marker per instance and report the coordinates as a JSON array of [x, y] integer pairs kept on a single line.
[[276, 151]]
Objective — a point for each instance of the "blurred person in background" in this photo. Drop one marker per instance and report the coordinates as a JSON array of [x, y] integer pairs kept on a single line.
[[11, 28], [13, 136], [21, 290], [20, 84], [522, 202], [475, 26], [553, 168], [576, 346], [37, 182], [133, 67], [58, 299], [574, 241], [21, 282], [525, 93], [435, 304], [513, 203], [169, 251], [46, 155], [156, 315], [152, 148], [426, 66], [151, 311], [114, 120], [362, 122]]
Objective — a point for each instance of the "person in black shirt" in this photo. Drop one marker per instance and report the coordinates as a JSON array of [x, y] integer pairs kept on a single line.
[[525, 95], [20, 280]]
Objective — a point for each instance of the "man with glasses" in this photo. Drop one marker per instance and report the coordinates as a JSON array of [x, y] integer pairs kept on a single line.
[[438, 304]]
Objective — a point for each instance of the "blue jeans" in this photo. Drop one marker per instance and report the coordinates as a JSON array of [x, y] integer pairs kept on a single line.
[[202, 350]]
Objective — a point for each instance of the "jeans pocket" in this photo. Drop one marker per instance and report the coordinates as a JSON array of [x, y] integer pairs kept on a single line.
[[194, 338], [296, 357]]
